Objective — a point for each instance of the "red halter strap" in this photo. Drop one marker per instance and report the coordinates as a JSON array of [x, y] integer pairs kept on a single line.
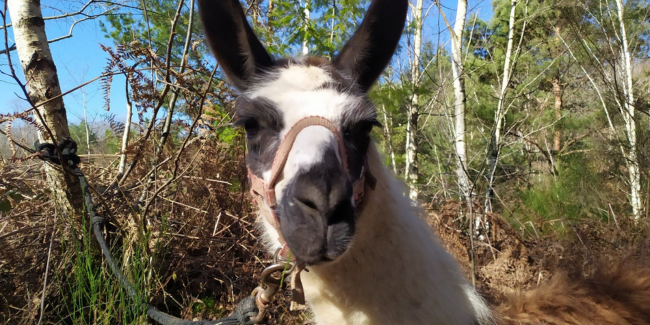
[[265, 192]]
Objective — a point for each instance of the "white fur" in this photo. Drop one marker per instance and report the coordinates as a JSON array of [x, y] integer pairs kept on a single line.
[[296, 91], [395, 271]]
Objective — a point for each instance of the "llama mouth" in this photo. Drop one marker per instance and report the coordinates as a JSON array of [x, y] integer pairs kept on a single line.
[[316, 237]]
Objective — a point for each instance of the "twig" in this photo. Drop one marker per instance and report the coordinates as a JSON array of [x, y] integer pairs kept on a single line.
[[47, 269], [614, 215], [183, 146], [161, 99], [185, 205], [208, 179]]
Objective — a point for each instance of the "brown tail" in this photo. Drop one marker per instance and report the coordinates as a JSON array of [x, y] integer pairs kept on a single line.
[[618, 295]]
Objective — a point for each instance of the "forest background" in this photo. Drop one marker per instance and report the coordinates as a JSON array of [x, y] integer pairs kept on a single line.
[[525, 115]]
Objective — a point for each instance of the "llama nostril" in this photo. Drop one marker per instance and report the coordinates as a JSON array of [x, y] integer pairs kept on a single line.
[[305, 203]]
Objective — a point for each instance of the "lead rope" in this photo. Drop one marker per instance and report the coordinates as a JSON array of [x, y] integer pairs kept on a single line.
[[250, 310]]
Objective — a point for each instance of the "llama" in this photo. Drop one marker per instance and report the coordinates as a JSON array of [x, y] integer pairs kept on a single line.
[[613, 295], [371, 259]]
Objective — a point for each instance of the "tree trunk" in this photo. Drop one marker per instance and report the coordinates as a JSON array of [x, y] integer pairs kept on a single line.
[[411, 172], [630, 123], [495, 145], [42, 84], [389, 140], [557, 92], [172, 101], [305, 41], [125, 137], [464, 182], [269, 23]]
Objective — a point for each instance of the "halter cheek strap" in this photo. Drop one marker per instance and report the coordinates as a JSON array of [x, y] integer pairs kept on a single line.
[[265, 192]]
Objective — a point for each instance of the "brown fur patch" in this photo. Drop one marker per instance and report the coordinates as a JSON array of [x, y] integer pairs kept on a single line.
[[619, 295]]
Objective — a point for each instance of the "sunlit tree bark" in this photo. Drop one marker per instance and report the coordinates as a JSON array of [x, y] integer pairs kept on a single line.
[[630, 124], [460, 144], [42, 84], [411, 169], [495, 145]]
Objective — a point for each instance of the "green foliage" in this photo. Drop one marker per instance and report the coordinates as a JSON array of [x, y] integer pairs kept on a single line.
[[329, 26], [80, 135], [91, 284], [554, 203], [132, 26], [5, 205], [113, 143], [91, 294]]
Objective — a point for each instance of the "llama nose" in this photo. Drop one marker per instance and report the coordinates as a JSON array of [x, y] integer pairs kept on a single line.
[[317, 220]]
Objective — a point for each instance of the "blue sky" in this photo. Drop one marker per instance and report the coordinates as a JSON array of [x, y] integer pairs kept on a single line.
[[80, 58]]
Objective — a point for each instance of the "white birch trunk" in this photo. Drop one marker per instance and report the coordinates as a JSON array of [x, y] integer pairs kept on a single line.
[[305, 41], [460, 145], [389, 140], [125, 137], [495, 145], [630, 124], [42, 84], [411, 172], [87, 127]]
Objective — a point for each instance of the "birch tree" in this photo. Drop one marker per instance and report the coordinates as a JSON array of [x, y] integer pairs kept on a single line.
[[628, 117], [495, 143], [305, 41], [43, 89], [411, 169], [460, 144]]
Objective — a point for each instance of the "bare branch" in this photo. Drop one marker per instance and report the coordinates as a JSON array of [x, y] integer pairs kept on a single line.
[[88, 17]]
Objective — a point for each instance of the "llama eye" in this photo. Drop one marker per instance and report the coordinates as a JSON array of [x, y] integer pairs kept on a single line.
[[252, 128], [365, 127]]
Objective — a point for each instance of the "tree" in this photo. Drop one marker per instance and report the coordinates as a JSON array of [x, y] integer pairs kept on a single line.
[[458, 130], [501, 109], [628, 113], [411, 173], [83, 136], [43, 89]]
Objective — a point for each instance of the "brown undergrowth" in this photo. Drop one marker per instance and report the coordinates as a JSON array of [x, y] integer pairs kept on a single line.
[[196, 253], [599, 274]]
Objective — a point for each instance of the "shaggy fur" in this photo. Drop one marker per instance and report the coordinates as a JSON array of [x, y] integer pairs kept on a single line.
[[619, 296], [395, 272]]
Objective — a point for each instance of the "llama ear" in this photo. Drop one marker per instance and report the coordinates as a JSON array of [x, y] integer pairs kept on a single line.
[[238, 51], [369, 50]]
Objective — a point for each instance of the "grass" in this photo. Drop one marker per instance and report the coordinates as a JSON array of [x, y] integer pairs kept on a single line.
[[91, 294]]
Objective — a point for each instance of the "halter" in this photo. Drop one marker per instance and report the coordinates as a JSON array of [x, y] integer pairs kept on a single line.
[[265, 192]]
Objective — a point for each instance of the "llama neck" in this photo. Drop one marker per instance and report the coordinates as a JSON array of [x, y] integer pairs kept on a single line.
[[395, 272]]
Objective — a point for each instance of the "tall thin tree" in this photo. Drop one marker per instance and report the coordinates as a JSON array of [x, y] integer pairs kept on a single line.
[[411, 173], [628, 116], [460, 144], [43, 89], [495, 143]]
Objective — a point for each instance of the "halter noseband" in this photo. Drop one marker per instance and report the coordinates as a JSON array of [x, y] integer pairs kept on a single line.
[[265, 192]]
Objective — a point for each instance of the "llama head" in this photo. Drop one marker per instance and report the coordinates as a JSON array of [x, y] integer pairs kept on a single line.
[[315, 208]]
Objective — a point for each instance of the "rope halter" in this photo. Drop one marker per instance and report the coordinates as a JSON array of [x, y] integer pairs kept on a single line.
[[265, 192]]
